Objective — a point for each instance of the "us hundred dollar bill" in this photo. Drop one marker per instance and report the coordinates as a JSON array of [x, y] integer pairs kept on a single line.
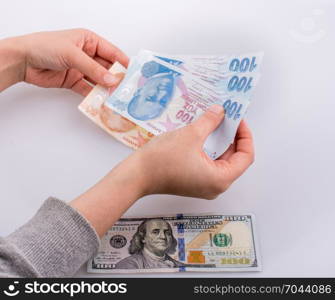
[[179, 243]]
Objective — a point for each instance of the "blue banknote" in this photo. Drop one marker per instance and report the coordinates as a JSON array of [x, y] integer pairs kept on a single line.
[[238, 77], [165, 92], [160, 97]]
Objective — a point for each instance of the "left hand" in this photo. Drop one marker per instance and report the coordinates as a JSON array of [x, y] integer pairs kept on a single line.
[[63, 58], [175, 162], [171, 163]]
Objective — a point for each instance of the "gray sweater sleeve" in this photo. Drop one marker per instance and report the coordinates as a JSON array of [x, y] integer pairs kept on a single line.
[[54, 243]]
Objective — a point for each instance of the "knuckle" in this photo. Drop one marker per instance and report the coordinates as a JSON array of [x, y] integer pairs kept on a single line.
[[83, 30], [212, 117], [97, 70], [90, 48], [85, 34], [68, 59]]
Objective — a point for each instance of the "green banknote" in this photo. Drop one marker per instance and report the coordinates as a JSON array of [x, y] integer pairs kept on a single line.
[[179, 243]]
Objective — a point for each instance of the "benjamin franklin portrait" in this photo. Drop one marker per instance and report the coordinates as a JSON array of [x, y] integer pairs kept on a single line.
[[150, 247]]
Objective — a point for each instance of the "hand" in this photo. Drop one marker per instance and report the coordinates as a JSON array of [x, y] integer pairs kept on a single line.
[[175, 163], [63, 58], [172, 163]]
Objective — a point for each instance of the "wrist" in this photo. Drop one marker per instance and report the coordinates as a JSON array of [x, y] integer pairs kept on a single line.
[[104, 203], [13, 61], [130, 175]]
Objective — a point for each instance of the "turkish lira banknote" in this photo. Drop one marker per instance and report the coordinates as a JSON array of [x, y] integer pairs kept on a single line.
[[161, 92], [122, 129], [179, 243]]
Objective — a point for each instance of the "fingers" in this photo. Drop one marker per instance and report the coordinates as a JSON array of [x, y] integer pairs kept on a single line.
[[108, 51], [244, 155], [81, 87], [229, 152], [106, 64], [89, 67], [209, 121], [244, 141]]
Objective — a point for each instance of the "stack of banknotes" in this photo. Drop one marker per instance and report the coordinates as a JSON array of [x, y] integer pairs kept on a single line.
[[179, 243], [161, 92]]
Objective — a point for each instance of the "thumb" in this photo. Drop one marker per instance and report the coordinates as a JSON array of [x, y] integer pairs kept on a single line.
[[209, 120], [79, 60]]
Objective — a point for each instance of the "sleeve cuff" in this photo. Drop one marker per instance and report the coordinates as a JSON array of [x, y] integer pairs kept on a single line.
[[57, 241]]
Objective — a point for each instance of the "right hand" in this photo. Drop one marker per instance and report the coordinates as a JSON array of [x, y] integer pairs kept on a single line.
[[63, 58]]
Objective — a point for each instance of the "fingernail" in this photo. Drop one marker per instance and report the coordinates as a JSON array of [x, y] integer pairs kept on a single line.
[[110, 79], [217, 109]]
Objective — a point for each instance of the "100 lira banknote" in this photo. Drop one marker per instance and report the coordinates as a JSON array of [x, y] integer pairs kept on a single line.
[[179, 243], [160, 93], [120, 128]]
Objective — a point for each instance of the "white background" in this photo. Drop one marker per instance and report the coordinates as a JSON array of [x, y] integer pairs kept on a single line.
[[47, 147]]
